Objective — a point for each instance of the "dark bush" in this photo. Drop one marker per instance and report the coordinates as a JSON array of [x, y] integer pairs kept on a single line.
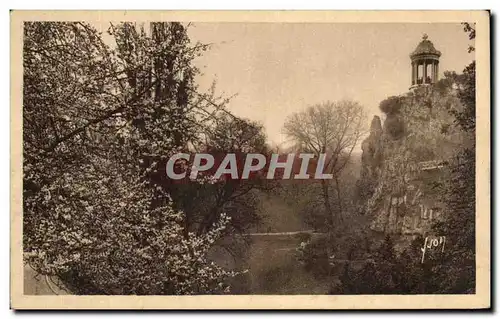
[[394, 125], [315, 258], [391, 105]]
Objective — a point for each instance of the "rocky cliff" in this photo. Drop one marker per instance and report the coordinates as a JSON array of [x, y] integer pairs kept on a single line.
[[405, 158]]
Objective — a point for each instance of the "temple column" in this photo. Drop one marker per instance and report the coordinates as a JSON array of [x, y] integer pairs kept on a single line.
[[437, 70], [417, 72], [412, 73], [413, 82], [434, 72], [425, 71], [417, 75]]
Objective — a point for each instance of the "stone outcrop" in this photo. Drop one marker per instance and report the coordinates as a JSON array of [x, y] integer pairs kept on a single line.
[[371, 159], [403, 158]]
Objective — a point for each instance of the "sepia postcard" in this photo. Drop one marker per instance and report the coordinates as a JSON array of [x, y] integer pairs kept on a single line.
[[250, 160]]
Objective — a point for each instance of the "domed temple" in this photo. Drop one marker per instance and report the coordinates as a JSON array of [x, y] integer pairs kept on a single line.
[[424, 63]]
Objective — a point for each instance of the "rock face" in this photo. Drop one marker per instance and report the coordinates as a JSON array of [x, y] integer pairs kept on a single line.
[[371, 159], [403, 159]]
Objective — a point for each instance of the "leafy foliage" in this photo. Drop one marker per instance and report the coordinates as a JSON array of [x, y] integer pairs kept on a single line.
[[459, 193], [391, 105], [98, 121], [386, 272], [466, 118], [205, 203], [459, 226]]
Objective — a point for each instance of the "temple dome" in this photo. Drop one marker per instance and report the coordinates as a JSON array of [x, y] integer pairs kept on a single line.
[[425, 47]]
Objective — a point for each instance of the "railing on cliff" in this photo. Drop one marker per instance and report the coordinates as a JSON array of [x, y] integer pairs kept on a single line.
[[431, 165]]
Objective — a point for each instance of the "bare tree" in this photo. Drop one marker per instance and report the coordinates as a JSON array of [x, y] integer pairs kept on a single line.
[[334, 128]]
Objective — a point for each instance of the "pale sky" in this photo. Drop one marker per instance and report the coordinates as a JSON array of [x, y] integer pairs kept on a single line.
[[280, 68], [276, 69]]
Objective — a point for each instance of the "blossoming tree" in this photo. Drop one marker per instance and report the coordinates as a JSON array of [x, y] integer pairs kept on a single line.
[[98, 118]]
